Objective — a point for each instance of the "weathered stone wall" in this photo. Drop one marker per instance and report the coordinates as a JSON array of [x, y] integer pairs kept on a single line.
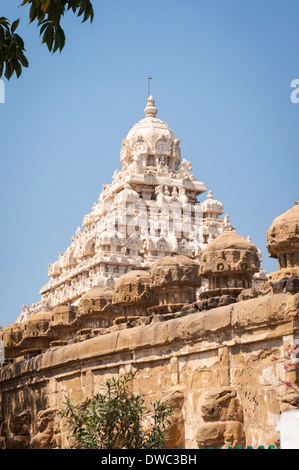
[[216, 367]]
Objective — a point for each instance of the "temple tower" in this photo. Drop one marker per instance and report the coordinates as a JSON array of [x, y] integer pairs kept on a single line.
[[150, 210]]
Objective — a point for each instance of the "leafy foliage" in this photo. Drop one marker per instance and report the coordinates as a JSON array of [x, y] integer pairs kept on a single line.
[[12, 57], [48, 15], [116, 420]]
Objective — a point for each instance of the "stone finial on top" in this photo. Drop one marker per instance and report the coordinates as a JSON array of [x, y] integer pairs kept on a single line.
[[227, 225], [210, 206], [150, 110]]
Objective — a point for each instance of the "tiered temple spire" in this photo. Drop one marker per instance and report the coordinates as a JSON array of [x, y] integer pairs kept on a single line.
[[150, 210]]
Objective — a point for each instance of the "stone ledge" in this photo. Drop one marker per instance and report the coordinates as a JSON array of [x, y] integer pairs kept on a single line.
[[268, 309], [249, 314]]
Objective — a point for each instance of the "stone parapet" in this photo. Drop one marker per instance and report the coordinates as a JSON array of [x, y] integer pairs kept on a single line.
[[231, 346]]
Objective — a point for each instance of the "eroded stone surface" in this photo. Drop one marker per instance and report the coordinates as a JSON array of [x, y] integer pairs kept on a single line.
[[283, 243], [175, 279], [133, 294], [229, 263]]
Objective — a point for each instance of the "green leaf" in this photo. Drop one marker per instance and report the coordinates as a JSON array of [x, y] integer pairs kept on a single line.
[[15, 25], [61, 38], [18, 68], [23, 60], [48, 36], [48, 14], [4, 22], [43, 27], [45, 4], [2, 35], [8, 70], [20, 41], [32, 12]]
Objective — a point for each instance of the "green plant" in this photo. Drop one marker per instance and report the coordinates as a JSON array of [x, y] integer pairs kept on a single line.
[[117, 419], [12, 57], [48, 15]]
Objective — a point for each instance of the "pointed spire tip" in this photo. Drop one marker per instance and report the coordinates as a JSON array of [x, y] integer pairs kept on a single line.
[[150, 110]]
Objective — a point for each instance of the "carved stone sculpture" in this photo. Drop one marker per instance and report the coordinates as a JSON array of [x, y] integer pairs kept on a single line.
[[175, 280], [229, 263], [96, 308], [132, 292], [283, 243], [20, 428], [45, 436], [174, 398], [222, 419]]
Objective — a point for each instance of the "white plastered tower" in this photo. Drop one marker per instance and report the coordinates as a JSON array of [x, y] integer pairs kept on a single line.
[[150, 210]]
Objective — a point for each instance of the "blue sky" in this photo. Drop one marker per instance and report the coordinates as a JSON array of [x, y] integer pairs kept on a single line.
[[221, 72]]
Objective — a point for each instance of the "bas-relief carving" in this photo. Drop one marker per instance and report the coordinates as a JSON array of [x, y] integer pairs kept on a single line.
[[222, 419], [47, 435], [19, 430]]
